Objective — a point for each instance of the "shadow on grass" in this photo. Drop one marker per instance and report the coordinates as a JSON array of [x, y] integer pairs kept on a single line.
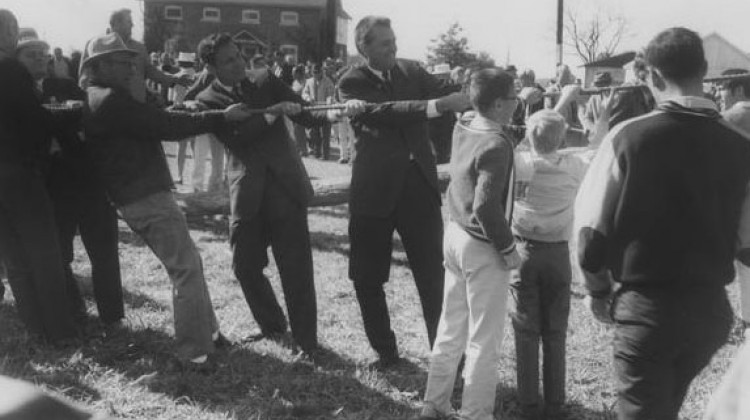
[[251, 380], [338, 212], [334, 242]]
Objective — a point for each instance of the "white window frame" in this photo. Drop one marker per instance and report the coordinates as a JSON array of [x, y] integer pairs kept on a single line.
[[211, 19], [167, 9], [287, 22], [290, 49], [253, 21]]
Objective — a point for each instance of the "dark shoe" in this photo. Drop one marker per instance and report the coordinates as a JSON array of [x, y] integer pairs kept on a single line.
[[115, 328], [385, 363], [222, 342], [186, 366], [273, 336]]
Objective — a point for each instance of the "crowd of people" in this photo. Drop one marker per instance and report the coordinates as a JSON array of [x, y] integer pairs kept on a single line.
[[651, 184]]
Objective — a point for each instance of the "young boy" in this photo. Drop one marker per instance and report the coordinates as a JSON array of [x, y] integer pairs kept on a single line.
[[479, 252], [547, 180]]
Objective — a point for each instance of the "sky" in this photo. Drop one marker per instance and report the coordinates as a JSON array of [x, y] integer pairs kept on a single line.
[[519, 32]]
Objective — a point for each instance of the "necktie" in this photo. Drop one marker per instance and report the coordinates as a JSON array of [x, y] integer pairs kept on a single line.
[[387, 81]]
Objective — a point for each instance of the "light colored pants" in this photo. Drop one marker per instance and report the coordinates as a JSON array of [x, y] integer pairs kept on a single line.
[[473, 318], [157, 219], [203, 144], [343, 131]]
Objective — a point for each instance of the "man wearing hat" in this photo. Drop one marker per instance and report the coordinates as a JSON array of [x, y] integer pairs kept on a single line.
[[121, 23], [28, 236], [78, 196], [594, 106], [125, 136]]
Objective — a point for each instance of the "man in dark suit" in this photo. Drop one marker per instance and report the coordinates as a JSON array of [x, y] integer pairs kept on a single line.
[[28, 237], [78, 196], [269, 192], [394, 181]]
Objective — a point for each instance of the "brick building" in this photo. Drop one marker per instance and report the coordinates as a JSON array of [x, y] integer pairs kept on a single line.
[[308, 29]]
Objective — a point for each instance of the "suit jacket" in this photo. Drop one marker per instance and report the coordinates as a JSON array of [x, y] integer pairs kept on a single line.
[[387, 136], [258, 149]]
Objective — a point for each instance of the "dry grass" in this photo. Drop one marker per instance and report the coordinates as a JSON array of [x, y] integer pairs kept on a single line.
[[263, 380]]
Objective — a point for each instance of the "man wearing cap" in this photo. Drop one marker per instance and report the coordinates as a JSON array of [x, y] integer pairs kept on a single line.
[[28, 236], [125, 136], [394, 181], [121, 23], [78, 196]]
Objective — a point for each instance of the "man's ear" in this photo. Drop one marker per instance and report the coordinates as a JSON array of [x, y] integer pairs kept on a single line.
[[656, 79]]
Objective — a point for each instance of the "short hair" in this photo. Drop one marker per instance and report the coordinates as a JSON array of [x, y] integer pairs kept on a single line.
[[363, 31], [546, 130], [732, 85], [118, 16], [677, 53], [299, 70], [6, 19], [487, 86], [209, 45]]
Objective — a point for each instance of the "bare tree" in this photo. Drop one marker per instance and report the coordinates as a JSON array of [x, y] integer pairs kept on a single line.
[[597, 37]]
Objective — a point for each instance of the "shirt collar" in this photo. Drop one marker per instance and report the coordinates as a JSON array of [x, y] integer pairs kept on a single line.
[[695, 102], [481, 123]]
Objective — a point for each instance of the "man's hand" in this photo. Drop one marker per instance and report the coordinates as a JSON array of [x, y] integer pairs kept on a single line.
[[184, 80], [455, 102], [511, 260], [194, 106], [600, 308], [570, 93], [531, 95], [354, 107], [284, 108], [237, 112]]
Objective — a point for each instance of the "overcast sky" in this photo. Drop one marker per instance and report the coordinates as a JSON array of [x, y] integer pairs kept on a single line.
[[522, 31]]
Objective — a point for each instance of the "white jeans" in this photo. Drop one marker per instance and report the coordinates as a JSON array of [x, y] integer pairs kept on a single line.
[[473, 318], [343, 131]]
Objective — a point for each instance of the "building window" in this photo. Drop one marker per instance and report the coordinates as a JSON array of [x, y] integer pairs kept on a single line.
[[211, 14], [173, 12], [251, 16], [289, 50], [289, 19]]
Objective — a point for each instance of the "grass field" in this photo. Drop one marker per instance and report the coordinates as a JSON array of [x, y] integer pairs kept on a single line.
[[126, 375]]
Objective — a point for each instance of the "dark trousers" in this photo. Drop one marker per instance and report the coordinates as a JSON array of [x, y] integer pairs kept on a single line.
[[85, 208], [663, 339], [282, 224], [419, 223], [31, 251], [541, 297], [320, 140]]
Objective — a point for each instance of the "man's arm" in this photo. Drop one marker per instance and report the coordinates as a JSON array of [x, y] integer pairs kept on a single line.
[[493, 168]]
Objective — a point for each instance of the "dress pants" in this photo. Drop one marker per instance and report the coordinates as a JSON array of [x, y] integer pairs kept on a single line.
[[663, 339], [216, 179], [320, 140], [472, 321], [541, 297], [201, 147], [30, 247], [83, 206], [419, 223], [281, 223], [157, 219]]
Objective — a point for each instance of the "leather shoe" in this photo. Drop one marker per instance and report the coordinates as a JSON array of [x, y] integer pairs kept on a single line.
[[274, 336], [386, 363], [222, 342]]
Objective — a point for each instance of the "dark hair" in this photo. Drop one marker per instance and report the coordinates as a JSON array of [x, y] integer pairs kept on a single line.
[[677, 53], [487, 86], [364, 27], [299, 70], [209, 45], [118, 16], [744, 83]]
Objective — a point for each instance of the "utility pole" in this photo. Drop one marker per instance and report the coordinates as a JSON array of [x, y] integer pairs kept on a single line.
[[560, 31]]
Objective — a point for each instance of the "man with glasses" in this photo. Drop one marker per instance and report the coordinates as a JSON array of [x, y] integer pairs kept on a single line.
[[125, 136], [394, 181]]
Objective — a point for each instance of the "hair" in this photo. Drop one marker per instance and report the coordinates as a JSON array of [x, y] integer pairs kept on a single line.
[[7, 19], [118, 16], [487, 86], [209, 46], [298, 71], [732, 85], [363, 31], [545, 130], [527, 77], [677, 53]]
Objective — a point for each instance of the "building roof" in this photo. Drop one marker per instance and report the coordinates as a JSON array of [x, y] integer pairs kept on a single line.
[[614, 61]]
